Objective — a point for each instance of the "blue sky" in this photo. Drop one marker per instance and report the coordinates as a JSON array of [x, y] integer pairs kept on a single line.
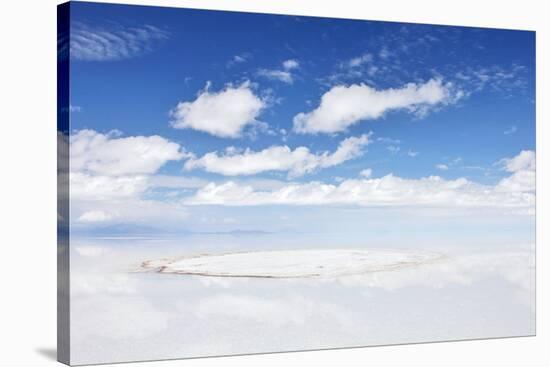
[[452, 102]]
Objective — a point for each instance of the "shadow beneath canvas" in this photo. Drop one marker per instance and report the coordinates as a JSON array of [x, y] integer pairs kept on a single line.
[[49, 353]]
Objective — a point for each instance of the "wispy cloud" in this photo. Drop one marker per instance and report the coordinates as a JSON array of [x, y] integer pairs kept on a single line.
[[384, 53], [73, 108], [393, 149], [239, 59], [502, 79], [511, 130], [284, 74], [387, 140], [358, 61], [280, 75], [383, 61], [115, 42]]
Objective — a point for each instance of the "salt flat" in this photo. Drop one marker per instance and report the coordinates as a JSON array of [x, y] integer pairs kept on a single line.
[[361, 295], [292, 263]]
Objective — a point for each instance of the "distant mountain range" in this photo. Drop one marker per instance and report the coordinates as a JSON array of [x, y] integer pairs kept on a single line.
[[142, 230]]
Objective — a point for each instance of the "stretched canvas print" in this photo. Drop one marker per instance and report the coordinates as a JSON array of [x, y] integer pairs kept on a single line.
[[234, 183]]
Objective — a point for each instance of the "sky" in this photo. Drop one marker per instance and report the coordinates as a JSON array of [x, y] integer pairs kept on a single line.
[[190, 120]]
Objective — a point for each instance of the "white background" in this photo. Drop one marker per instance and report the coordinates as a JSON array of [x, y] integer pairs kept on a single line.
[[28, 182]]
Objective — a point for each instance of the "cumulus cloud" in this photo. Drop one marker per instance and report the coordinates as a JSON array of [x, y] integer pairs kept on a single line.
[[111, 177], [290, 64], [525, 160], [225, 113], [109, 155], [91, 251], [284, 75], [278, 158], [343, 106], [366, 173], [176, 182], [95, 216], [522, 167], [390, 190], [137, 210], [442, 167], [98, 187], [113, 43]]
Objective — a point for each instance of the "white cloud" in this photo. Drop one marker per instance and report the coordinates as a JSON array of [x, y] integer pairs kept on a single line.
[[94, 216], [521, 181], [290, 64], [366, 173], [412, 153], [511, 130], [136, 210], [442, 167], [497, 78], [393, 149], [104, 154], [522, 167], [176, 182], [344, 106], [278, 158], [525, 160], [281, 75], [113, 43], [359, 60], [111, 179], [386, 140], [225, 113], [239, 59], [92, 187], [284, 75], [390, 190], [384, 53], [91, 250]]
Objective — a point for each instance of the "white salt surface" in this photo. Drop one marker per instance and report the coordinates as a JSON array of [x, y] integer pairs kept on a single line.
[[291, 263], [404, 295]]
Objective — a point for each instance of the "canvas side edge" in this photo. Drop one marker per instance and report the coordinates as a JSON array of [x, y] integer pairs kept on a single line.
[[63, 229]]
